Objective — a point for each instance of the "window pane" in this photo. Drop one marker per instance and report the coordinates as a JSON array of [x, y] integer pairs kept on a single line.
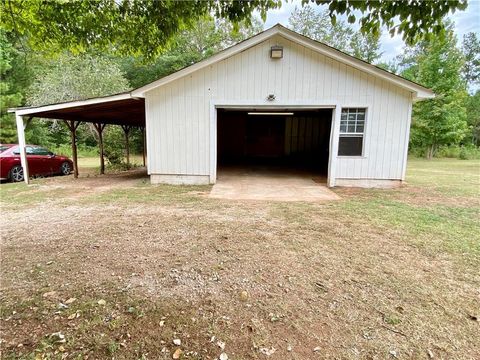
[[350, 146], [40, 151], [356, 120]]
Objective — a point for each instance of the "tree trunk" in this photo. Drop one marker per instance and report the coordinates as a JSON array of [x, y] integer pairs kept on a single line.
[[430, 152]]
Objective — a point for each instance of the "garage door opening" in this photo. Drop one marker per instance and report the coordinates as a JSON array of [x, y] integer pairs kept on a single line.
[[283, 142]]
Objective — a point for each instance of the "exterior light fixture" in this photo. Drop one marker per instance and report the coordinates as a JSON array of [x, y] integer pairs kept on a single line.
[[270, 113], [276, 52], [271, 97]]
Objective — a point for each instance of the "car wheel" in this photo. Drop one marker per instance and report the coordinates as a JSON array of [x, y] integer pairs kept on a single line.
[[65, 169], [16, 173]]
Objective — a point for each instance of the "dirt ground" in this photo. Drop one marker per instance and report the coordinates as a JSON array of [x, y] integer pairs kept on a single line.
[[113, 267]]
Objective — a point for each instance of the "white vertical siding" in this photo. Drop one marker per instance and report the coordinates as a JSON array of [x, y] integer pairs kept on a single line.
[[178, 113]]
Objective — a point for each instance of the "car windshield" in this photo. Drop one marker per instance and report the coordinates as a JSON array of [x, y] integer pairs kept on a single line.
[[3, 148]]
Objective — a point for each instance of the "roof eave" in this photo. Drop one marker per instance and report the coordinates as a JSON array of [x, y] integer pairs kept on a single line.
[[38, 109], [423, 95]]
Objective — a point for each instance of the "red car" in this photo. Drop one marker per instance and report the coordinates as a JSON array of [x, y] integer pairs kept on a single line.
[[41, 162]]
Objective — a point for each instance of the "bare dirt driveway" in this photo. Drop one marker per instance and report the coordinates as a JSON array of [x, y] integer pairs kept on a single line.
[[113, 267]]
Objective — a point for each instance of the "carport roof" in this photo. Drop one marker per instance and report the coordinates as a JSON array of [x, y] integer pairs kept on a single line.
[[119, 109]]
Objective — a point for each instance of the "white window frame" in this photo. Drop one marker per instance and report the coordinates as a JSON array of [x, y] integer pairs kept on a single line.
[[353, 134]]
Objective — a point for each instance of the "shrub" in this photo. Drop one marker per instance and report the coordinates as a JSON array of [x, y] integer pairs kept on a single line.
[[469, 153], [113, 145], [449, 152], [464, 152]]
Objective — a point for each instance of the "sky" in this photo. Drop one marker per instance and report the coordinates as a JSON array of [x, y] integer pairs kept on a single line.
[[465, 21]]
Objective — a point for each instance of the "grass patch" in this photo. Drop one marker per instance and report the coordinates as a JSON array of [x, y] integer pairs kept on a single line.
[[143, 192], [438, 229], [18, 195], [450, 177]]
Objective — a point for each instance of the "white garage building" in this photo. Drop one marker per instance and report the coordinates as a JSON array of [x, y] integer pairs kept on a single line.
[[277, 98]]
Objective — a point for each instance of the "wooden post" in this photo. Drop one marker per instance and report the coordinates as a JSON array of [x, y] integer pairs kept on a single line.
[[73, 126], [100, 127], [22, 146], [126, 131], [144, 152]]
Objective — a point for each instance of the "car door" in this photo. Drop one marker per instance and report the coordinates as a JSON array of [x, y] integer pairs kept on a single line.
[[34, 163], [44, 160]]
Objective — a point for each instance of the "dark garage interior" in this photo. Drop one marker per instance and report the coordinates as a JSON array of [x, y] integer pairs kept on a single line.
[[287, 140]]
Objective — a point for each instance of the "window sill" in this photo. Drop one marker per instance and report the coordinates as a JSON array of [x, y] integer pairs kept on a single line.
[[351, 156]]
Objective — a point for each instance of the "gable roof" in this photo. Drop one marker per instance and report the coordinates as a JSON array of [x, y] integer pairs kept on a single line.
[[419, 91]]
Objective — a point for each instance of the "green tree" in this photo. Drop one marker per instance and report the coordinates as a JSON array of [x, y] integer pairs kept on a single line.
[[129, 27], [442, 120], [471, 52], [473, 116], [203, 39], [145, 27], [71, 77], [366, 47], [414, 20], [9, 96], [68, 78], [317, 25]]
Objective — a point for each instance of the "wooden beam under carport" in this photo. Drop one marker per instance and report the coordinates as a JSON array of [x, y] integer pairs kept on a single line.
[[100, 127], [72, 126]]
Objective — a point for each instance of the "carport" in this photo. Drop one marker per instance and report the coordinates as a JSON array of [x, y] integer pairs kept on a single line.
[[120, 109]]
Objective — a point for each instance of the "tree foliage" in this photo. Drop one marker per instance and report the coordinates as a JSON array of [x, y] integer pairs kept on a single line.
[[414, 20], [317, 25], [366, 47], [473, 116], [9, 95], [206, 37], [69, 77], [442, 120], [145, 27], [471, 52], [129, 27]]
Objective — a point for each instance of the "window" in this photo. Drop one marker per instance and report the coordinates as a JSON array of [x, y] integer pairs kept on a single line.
[[40, 151], [28, 150], [352, 126], [31, 150]]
